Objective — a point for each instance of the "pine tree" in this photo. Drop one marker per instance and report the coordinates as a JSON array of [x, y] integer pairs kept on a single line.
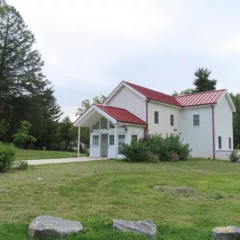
[[202, 81], [22, 83]]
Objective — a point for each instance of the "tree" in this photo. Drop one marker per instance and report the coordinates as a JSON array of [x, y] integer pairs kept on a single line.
[[236, 119], [202, 81], [23, 136], [184, 92], [25, 92], [86, 104]]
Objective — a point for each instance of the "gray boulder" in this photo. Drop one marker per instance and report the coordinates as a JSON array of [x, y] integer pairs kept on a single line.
[[226, 233], [47, 227], [146, 227]]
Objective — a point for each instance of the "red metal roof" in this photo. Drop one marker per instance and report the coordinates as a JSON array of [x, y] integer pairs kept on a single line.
[[203, 98], [121, 115], [154, 95], [196, 99]]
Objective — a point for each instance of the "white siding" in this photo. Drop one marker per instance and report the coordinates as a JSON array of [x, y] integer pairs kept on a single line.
[[199, 138], [163, 126], [223, 123], [125, 98]]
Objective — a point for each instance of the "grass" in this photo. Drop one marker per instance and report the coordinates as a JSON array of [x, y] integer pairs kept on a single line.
[[96, 192], [23, 154]]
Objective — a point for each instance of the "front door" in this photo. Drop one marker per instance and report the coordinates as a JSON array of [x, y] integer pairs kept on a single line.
[[104, 145]]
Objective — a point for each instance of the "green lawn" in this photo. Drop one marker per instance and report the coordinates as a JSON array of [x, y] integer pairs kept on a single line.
[[97, 192], [23, 154]]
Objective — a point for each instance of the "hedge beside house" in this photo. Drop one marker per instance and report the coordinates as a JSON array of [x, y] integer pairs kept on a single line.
[[157, 148]]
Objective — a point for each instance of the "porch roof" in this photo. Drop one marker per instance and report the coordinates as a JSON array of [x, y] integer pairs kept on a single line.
[[113, 114]]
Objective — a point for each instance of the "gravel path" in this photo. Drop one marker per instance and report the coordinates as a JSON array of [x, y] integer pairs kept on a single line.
[[63, 160]]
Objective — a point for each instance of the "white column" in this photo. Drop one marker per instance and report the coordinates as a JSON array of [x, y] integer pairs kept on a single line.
[[116, 140], [79, 132]]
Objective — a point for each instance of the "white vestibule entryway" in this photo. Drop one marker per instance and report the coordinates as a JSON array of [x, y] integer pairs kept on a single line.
[[107, 134]]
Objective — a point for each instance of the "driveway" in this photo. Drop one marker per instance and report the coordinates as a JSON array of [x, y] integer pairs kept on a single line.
[[63, 160]]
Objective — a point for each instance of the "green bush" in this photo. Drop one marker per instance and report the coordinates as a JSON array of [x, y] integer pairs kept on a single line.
[[21, 165], [235, 155], [7, 154], [157, 148], [137, 151]]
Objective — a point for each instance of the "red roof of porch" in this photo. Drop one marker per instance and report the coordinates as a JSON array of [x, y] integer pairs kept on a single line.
[[121, 115]]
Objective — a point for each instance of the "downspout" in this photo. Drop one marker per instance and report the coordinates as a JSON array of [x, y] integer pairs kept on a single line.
[[213, 132], [146, 129]]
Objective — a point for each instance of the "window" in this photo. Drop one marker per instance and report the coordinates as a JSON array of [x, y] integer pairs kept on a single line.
[[156, 117], [112, 125], [172, 120], [111, 139], [196, 120], [96, 126], [95, 140], [121, 140], [103, 123], [134, 137], [230, 143], [219, 142]]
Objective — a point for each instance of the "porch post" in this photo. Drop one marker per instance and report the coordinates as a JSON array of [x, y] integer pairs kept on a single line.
[[116, 140], [79, 132]]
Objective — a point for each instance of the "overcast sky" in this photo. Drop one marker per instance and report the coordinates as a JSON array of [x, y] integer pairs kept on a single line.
[[90, 46]]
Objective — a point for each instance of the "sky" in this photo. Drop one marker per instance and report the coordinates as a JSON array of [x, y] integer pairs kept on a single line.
[[90, 46]]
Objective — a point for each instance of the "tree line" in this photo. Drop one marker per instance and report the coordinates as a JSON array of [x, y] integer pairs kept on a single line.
[[29, 113]]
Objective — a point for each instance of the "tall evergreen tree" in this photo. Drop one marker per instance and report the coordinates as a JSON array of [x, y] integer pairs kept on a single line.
[[202, 81], [25, 93]]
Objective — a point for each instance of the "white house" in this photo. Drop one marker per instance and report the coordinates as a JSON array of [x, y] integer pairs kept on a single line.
[[204, 120]]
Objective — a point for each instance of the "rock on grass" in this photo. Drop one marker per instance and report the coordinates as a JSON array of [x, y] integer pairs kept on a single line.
[[47, 227]]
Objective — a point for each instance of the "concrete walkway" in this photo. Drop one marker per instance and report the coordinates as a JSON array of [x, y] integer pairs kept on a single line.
[[63, 160]]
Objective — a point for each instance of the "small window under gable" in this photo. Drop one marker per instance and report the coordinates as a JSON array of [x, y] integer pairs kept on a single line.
[[111, 125], [196, 120], [95, 126], [104, 123], [156, 117]]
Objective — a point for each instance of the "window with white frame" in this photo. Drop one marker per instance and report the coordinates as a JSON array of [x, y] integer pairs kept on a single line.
[[104, 123], [219, 142], [111, 139], [156, 117], [196, 120], [95, 140], [134, 137], [111, 125], [95, 126], [172, 120], [121, 141], [230, 143]]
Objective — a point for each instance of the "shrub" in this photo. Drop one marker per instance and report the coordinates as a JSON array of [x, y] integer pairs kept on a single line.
[[152, 158], [137, 151], [21, 165], [234, 156], [7, 154], [157, 148]]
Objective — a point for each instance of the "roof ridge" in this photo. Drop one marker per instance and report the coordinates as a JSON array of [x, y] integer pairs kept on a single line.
[[190, 94], [147, 88], [168, 98], [109, 106]]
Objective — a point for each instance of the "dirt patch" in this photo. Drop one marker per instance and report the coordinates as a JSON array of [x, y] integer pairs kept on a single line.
[[181, 190]]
